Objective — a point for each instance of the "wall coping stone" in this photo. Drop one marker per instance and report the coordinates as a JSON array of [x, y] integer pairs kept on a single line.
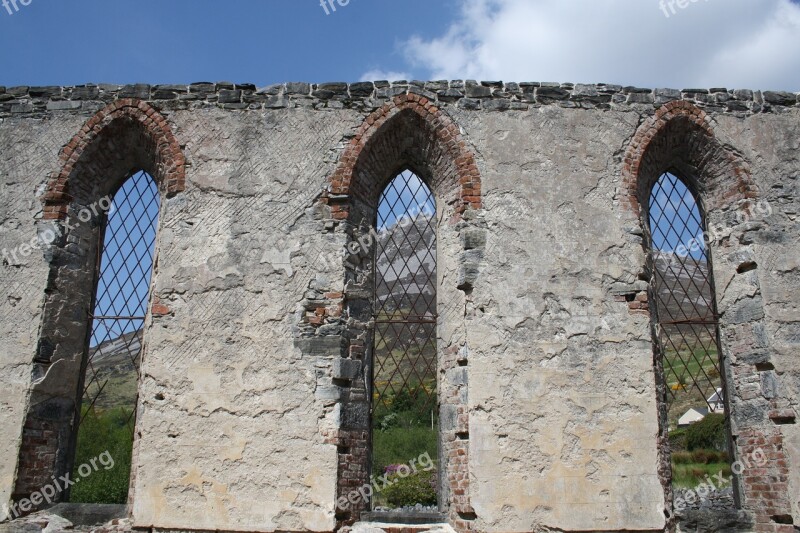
[[468, 95]]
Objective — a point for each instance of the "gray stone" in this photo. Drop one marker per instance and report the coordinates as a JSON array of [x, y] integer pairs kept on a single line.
[[329, 393], [20, 90], [478, 91], [139, 90], [320, 346], [361, 89], [422, 92], [271, 90], [172, 88], [298, 88], [202, 88], [780, 98], [345, 369], [667, 94], [229, 96], [640, 98], [390, 92], [473, 238], [547, 93], [469, 103], [44, 92], [497, 104], [769, 385], [63, 105], [162, 94], [339, 88], [22, 108], [469, 268], [88, 92], [275, 102], [435, 86]]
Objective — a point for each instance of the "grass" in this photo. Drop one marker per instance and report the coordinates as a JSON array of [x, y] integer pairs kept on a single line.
[[683, 394], [685, 363], [103, 431], [685, 476], [405, 426], [697, 452], [405, 422], [401, 445]]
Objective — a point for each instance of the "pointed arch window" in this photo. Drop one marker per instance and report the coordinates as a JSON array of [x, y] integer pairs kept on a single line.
[[686, 321], [110, 385], [404, 375]]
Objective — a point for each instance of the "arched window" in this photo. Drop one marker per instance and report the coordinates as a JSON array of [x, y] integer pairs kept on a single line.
[[686, 322], [110, 384], [405, 423]]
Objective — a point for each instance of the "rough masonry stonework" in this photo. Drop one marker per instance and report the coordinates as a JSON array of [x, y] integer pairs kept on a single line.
[[253, 413]]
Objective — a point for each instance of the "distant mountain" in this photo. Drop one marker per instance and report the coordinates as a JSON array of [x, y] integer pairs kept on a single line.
[[405, 351], [407, 267], [115, 363], [683, 288]]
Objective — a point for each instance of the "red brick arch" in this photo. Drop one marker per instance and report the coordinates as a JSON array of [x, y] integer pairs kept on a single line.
[[124, 137], [95, 151], [456, 168], [681, 138], [408, 132], [682, 134]]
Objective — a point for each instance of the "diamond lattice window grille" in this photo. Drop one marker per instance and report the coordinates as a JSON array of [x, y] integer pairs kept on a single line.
[[688, 333], [121, 298], [405, 296]]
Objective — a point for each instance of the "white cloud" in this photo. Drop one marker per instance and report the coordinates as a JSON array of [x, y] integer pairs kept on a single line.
[[391, 75], [730, 43]]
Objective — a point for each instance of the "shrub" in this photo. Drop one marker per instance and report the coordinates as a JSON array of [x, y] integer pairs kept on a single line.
[[419, 487], [709, 433], [677, 440], [399, 446], [703, 457], [709, 457], [682, 458]]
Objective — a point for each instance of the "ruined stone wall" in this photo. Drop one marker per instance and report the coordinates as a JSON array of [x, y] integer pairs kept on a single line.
[[251, 414]]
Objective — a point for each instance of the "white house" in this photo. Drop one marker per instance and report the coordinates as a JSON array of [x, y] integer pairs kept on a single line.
[[695, 414], [716, 403]]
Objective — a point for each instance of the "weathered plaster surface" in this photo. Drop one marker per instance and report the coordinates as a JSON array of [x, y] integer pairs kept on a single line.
[[233, 414]]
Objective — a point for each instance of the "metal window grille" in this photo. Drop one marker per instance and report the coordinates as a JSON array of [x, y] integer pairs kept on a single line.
[[688, 324], [125, 265], [405, 357]]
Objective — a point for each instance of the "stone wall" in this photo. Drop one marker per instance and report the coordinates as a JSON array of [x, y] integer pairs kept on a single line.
[[252, 413]]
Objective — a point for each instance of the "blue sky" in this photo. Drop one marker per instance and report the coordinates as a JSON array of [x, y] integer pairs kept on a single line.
[[69, 42], [127, 262], [649, 43], [405, 195], [675, 218]]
